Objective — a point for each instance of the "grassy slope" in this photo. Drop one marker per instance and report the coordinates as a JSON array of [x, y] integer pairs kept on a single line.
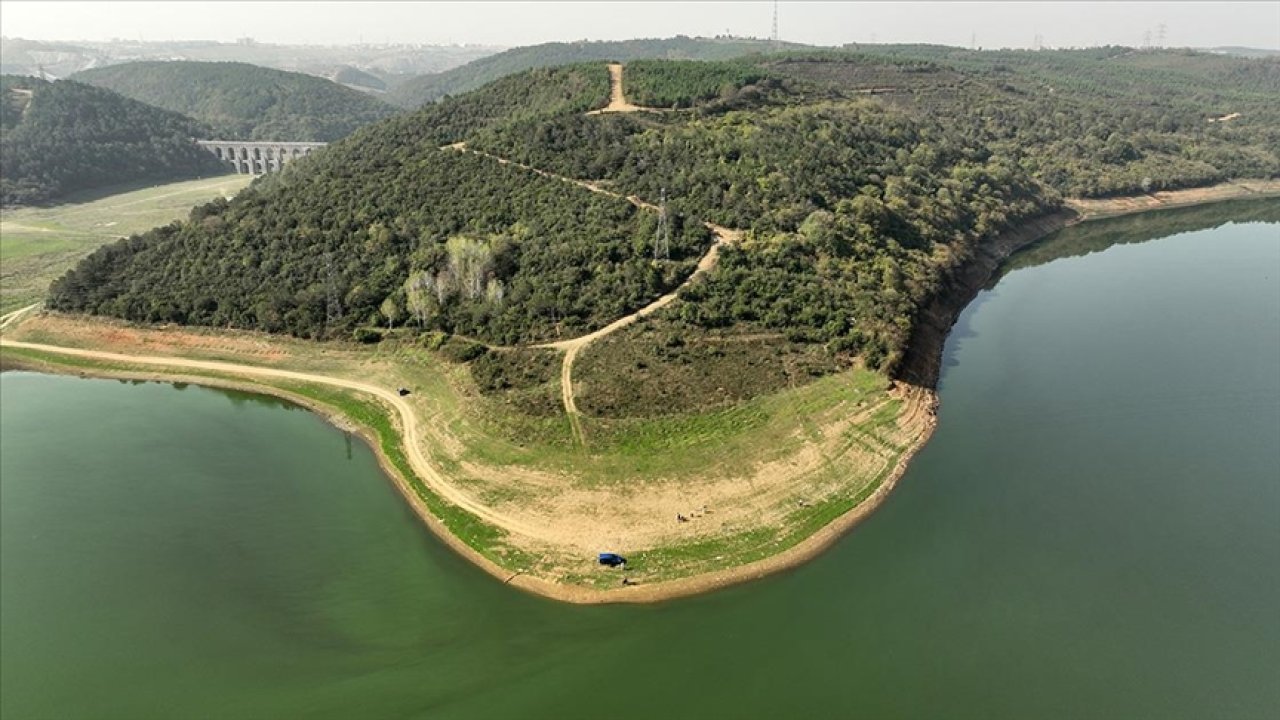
[[39, 244]]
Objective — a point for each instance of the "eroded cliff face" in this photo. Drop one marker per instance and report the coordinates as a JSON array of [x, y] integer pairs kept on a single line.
[[922, 362]]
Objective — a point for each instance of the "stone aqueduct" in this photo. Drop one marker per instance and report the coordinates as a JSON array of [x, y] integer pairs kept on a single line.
[[258, 157]]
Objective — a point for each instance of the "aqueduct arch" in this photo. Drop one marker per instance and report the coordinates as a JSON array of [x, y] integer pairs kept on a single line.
[[258, 157]]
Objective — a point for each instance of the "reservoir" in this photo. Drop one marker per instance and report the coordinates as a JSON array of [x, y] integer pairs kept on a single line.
[[1093, 531]]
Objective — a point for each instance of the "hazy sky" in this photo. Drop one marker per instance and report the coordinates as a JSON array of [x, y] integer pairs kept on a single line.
[[994, 24]]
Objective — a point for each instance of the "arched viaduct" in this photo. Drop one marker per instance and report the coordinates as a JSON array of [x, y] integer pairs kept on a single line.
[[258, 157]]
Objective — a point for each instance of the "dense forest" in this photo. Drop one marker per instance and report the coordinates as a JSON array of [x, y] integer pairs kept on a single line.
[[862, 182], [532, 98], [238, 101], [1095, 122], [63, 136], [416, 92], [681, 84], [386, 229]]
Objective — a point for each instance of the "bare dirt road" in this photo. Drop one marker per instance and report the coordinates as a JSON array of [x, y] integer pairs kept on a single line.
[[617, 100], [723, 236], [8, 318], [571, 347]]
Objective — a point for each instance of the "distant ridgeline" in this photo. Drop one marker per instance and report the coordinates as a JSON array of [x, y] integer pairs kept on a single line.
[[416, 92], [64, 136], [863, 181], [238, 101]]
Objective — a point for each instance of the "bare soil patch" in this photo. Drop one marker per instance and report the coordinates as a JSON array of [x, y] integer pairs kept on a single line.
[[1091, 208], [617, 100]]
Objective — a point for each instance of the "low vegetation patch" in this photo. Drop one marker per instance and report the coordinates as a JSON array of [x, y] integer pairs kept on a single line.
[[667, 367], [528, 380]]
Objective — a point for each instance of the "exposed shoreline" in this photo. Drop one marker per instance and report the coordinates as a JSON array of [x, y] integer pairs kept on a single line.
[[922, 361], [917, 377]]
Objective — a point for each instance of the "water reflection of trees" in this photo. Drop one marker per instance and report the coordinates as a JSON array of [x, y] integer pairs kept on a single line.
[[239, 398], [1099, 235]]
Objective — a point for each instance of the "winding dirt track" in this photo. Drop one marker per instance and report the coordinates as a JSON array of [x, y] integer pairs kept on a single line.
[[408, 420], [8, 318], [572, 346]]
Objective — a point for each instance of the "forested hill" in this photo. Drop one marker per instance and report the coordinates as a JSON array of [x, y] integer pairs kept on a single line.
[[862, 182], [385, 227], [419, 91], [64, 136], [245, 102]]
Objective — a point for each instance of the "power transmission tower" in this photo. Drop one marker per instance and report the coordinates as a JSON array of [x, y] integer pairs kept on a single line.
[[1146, 40], [662, 239], [1160, 30], [777, 39]]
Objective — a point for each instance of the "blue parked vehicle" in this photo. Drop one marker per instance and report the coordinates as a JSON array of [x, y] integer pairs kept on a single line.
[[612, 559]]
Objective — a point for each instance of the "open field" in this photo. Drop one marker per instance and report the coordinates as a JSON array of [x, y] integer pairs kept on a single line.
[[38, 244]]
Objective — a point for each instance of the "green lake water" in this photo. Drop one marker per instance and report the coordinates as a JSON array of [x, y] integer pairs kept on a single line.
[[1094, 531]]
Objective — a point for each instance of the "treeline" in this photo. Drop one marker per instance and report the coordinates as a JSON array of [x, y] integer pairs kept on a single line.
[[64, 136], [239, 101]]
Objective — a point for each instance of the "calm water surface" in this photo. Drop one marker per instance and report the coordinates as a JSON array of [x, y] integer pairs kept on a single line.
[[1094, 531]]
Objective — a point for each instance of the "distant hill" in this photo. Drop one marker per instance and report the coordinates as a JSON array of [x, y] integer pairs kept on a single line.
[[245, 102], [1244, 52], [19, 56], [428, 88], [65, 136], [357, 79], [56, 59]]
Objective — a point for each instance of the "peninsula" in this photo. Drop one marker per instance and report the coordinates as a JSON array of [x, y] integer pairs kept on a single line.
[[689, 312]]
